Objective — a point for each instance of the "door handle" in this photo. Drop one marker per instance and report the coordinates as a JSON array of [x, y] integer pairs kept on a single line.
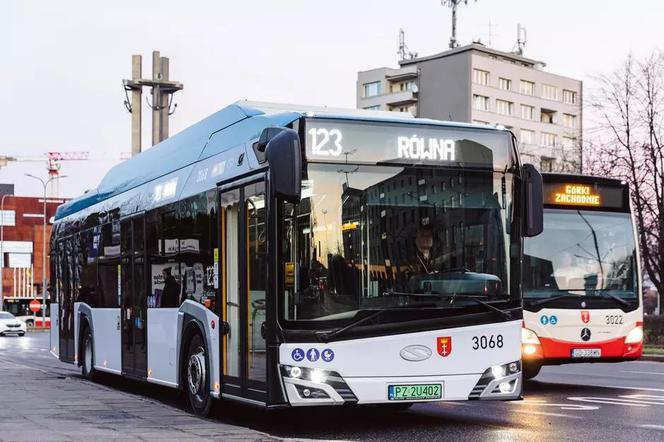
[[263, 329]]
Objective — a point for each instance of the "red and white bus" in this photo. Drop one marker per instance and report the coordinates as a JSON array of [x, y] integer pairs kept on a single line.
[[581, 276]]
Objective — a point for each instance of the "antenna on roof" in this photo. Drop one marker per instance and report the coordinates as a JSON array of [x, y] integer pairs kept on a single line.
[[520, 38], [404, 53], [453, 5]]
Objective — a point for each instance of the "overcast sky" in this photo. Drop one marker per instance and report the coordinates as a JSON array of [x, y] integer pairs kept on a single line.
[[63, 61]]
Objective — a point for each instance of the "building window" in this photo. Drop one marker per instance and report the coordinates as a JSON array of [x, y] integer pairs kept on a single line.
[[373, 89], [549, 92], [527, 87], [7, 218], [505, 84], [569, 121], [527, 112], [376, 107], [484, 123], [480, 102], [547, 116], [504, 107], [527, 136], [546, 164], [569, 97], [480, 77], [569, 142], [548, 140]]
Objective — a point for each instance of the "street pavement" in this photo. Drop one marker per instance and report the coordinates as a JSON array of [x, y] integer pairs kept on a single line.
[[43, 399]]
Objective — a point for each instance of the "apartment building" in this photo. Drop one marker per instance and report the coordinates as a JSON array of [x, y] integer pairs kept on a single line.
[[477, 84]]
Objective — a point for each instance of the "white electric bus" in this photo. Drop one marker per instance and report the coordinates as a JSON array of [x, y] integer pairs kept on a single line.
[[294, 256], [581, 276]]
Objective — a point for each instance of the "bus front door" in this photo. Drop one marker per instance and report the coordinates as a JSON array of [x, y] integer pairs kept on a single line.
[[243, 290]]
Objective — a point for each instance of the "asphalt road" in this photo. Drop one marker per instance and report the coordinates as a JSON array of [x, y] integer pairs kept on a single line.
[[623, 401]]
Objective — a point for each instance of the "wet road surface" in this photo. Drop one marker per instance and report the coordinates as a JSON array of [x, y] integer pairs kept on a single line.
[[623, 401]]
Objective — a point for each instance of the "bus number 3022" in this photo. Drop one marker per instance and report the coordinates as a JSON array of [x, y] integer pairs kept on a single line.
[[483, 342]]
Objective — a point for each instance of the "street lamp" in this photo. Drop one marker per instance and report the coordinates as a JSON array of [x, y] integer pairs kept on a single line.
[[44, 183], [2, 255]]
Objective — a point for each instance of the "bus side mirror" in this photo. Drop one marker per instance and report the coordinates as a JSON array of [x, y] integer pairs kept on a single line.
[[285, 160], [533, 188]]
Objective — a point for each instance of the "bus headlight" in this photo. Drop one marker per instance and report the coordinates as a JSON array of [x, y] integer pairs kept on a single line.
[[318, 376], [635, 336], [308, 374], [295, 372], [498, 371], [529, 337]]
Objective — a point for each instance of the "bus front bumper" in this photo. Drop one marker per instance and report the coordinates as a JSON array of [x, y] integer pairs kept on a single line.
[[329, 388]]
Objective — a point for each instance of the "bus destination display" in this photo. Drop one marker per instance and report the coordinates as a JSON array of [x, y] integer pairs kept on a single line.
[[358, 142], [583, 195]]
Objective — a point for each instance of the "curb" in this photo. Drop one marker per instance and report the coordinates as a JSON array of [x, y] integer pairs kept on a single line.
[[652, 358]]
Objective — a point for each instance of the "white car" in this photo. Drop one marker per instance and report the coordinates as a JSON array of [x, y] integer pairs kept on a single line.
[[9, 325]]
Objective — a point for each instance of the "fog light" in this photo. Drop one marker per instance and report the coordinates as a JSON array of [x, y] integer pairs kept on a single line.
[[505, 387], [529, 349], [498, 371], [306, 392], [318, 376], [295, 372]]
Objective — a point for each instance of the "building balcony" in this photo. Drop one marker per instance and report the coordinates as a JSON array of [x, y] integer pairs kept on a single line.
[[396, 75], [401, 98]]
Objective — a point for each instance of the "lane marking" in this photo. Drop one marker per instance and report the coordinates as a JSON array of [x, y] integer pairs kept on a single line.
[[653, 427], [607, 386], [642, 372], [612, 401], [571, 407]]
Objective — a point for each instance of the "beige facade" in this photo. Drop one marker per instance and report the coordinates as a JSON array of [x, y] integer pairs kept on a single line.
[[481, 85]]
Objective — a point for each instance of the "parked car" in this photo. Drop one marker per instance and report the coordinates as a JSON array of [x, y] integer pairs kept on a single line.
[[9, 324]]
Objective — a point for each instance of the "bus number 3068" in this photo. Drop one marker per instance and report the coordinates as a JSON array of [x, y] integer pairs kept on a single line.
[[483, 342]]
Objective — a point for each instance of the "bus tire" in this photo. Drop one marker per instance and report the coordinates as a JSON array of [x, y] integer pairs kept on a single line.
[[531, 370], [196, 377], [87, 355]]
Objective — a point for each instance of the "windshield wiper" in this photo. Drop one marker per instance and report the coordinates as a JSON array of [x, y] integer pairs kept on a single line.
[[600, 294], [326, 336], [553, 298], [504, 313], [618, 299]]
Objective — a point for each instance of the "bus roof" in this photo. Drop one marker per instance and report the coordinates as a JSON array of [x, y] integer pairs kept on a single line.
[[191, 145]]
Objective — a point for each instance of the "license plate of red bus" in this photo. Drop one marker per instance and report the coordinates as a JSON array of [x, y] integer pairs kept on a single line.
[[414, 392], [587, 353]]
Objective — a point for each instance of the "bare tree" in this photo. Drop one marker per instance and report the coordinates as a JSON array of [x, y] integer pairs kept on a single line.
[[626, 142]]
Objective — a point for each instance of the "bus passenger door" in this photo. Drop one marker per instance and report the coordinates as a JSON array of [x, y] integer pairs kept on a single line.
[[243, 264], [134, 299]]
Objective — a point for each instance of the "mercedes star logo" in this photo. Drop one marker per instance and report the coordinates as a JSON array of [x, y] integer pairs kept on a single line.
[[585, 334], [415, 353]]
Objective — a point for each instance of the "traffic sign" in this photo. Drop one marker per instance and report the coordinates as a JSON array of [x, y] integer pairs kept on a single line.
[[35, 306]]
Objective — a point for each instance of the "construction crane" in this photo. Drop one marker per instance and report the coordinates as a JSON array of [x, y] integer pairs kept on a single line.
[[53, 162]]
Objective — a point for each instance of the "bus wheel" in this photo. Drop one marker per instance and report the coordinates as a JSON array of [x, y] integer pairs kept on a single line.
[[87, 366], [531, 370], [197, 377]]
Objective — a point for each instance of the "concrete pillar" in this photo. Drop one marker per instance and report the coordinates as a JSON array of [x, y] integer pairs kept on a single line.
[[164, 101], [156, 98], [136, 105]]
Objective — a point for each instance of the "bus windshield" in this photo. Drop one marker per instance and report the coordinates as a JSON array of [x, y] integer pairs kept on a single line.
[[581, 252], [377, 237]]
